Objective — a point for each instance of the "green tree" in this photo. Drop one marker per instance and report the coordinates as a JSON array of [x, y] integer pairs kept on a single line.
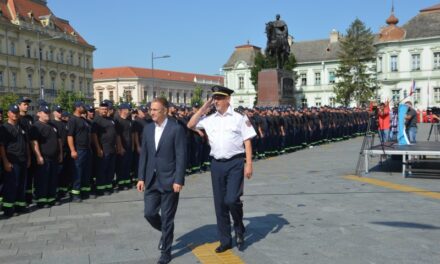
[[5, 101], [197, 96], [262, 62], [67, 98], [356, 80]]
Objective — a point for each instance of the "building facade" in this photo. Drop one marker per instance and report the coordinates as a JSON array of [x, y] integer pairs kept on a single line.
[[237, 73], [405, 55], [41, 53], [410, 55], [139, 85]]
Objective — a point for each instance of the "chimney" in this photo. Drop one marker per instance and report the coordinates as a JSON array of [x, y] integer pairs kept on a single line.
[[334, 36]]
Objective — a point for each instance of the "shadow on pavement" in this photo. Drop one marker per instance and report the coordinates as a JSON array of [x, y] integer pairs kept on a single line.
[[407, 225], [258, 228]]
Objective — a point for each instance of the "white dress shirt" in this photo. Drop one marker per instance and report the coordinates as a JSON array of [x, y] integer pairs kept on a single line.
[[158, 131], [227, 133]]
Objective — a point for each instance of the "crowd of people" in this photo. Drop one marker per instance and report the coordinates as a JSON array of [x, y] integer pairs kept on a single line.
[[57, 156], [388, 122]]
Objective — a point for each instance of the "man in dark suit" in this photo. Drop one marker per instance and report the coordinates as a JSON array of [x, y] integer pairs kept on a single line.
[[162, 164]]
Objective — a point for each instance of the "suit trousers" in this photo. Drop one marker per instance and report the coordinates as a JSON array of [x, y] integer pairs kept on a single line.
[[156, 200], [227, 184]]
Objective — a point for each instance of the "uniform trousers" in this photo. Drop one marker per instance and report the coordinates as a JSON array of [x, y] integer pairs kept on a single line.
[[123, 168], [46, 182], [155, 200], [227, 184], [82, 171], [106, 172], [14, 188]]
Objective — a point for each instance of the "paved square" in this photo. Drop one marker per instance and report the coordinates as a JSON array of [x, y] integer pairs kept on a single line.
[[299, 208]]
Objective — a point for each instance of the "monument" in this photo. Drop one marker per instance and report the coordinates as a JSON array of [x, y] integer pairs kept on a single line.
[[275, 86]]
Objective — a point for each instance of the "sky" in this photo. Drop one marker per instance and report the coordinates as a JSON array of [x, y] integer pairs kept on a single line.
[[200, 35]]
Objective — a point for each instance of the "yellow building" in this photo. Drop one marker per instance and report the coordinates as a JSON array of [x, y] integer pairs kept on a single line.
[[41, 53]]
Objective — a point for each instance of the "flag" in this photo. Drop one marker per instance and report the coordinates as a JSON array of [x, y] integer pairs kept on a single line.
[[412, 88]]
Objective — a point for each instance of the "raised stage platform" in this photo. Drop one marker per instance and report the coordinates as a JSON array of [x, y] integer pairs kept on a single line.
[[408, 152]]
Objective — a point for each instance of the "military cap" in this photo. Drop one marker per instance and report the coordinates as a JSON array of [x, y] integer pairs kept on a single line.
[[221, 90], [65, 114], [125, 106], [44, 108], [24, 99], [78, 104], [58, 108], [14, 109], [89, 108]]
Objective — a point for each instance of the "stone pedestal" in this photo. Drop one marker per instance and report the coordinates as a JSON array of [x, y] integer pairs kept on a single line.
[[275, 87]]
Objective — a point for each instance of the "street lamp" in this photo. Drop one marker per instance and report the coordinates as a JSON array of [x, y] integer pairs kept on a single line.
[[152, 65], [40, 55]]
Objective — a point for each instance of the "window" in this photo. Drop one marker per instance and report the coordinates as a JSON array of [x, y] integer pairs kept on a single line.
[[71, 58], [437, 94], [303, 79], [61, 58], [128, 97], [240, 82], [416, 96], [396, 96], [437, 60], [379, 64], [111, 96], [317, 78], [12, 48], [52, 84], [146, 96], [29, 80], [154, 94], [318, 102], [170, 96], [89, 86], [63, 83], [40, 53], [332, 102], [178, 98], [28, 50], [87, 63], [184, 98], [415, 62], [41, 80], [304, 102], [81, 84], [14, 80], [79, 60], [1, 78], [394, 63], [101, 96], [72, 84], [331, 77]]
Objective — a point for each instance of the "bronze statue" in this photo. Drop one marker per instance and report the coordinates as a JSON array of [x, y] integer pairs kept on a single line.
[[277, 41]]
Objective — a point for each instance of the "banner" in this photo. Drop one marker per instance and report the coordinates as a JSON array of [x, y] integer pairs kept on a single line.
[[402, 139]]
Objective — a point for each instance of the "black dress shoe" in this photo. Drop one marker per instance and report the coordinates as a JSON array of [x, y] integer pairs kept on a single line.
[[165, 258], [222, 248], [240, 242]]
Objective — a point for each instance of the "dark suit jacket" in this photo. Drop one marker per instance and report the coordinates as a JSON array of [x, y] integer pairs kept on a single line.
[[169, 161]]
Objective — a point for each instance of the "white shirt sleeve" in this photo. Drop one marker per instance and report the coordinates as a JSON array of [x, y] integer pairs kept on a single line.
[[247, 130], [202, 123]]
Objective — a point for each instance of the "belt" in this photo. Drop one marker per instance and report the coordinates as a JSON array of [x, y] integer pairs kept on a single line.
[[241, 155]]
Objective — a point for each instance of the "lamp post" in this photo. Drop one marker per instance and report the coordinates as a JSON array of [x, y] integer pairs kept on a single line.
[[152, 65], [40, 55]]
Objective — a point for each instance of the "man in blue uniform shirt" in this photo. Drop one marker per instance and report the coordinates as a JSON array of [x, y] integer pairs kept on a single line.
[[229, 133]]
